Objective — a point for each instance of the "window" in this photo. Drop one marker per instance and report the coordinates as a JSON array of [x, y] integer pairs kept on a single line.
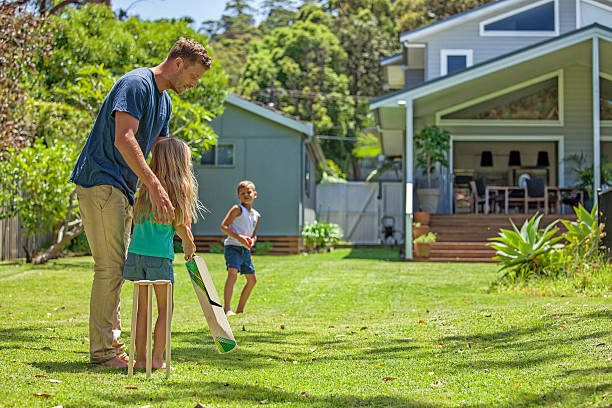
[[538, 101], [219, 155], [539, 18], [605, 103], [455, 60]]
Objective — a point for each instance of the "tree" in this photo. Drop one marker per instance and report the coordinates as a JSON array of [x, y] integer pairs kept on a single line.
[[25, 38]]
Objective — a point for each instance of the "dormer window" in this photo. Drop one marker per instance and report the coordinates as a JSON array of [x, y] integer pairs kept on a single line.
[[538, 19], [455, 60]]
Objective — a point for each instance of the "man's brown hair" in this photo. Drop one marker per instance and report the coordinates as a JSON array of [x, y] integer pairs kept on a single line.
[[191, 50]]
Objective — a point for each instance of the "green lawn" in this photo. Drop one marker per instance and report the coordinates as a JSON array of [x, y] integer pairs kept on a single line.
[[342, 329]]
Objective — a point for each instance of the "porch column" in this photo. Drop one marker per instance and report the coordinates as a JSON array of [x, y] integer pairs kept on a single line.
[[596, 121], [408, 165]]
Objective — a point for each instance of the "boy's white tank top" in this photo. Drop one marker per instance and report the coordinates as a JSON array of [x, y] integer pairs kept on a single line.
[[244, 224]]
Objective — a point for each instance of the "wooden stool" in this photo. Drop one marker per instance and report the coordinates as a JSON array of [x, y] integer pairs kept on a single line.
[[149, 285]]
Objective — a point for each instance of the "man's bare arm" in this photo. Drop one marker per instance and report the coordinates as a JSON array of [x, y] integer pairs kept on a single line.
[[125, 128]]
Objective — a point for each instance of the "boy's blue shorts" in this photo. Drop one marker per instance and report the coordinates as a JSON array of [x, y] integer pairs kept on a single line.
[[145, 267], [239, 258]]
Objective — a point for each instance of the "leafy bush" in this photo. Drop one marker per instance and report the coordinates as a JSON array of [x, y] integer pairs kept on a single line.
[[584, 235], [262, 248], [216, 249], [319, 236], [528, 252], [79, 245], [428, 238]]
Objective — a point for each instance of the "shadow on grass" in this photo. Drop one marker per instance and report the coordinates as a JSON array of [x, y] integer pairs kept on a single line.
[[226, 393], [382, 254]]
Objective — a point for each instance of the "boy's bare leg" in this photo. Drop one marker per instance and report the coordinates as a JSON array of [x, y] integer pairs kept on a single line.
[[246, 292], [160, 326], [141, 329], [232, 275]]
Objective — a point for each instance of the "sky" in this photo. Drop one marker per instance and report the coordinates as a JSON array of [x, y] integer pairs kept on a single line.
[[199, 10]]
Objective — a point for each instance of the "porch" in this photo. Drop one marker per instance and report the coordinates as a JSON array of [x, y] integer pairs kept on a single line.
[[464, 237]]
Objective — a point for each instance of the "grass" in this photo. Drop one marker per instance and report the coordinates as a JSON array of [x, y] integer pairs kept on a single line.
[[341, 329]]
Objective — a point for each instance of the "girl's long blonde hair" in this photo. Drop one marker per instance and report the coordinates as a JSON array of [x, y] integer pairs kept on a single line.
[[171, 163]]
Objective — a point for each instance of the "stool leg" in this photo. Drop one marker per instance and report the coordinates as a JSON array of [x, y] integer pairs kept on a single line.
[[149, 329], [133, 331], [168, 329]]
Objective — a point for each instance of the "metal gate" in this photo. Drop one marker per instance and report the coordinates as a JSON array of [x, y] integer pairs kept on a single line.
[[363, 210]]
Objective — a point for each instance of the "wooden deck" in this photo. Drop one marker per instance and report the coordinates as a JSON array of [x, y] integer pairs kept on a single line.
[[280, 245], [464, 237]]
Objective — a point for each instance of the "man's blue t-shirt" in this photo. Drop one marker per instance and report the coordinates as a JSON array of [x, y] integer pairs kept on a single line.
[[100, 163]]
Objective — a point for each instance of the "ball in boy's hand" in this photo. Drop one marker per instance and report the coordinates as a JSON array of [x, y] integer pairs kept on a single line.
[[249, 241]]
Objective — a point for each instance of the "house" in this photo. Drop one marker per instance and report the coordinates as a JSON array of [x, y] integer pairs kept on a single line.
[[519, 84], [278, 153]]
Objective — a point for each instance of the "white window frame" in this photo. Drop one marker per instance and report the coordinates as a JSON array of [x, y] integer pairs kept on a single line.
[[554, 33], [504, 91], [605, 123], [444, 53], [216, 164], [592, 3]]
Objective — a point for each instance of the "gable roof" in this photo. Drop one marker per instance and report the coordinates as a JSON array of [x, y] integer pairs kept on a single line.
[[456, 19], [495, 64], [271, 114]]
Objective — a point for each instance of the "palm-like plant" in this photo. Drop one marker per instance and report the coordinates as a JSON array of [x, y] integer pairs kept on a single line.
[[528, 251], [584, 234]]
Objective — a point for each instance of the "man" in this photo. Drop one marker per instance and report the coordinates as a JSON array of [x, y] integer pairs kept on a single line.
[[133, 116]]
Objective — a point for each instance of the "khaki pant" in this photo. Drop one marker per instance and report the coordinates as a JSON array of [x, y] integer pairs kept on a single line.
[[107, 218]]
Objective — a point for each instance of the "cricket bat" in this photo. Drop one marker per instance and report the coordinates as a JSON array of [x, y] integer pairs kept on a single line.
[[211, 305]]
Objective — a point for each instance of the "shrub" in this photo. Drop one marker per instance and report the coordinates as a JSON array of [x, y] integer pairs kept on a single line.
[[319, 236], [428, 238], [262, 248], [216, 249], [527, 252], [584, 235]]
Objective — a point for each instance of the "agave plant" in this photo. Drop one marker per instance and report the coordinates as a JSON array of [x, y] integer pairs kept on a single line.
[[584, 234], [528, 251]]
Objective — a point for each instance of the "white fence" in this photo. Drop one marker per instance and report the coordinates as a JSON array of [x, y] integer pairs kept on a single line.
[[363, 210]]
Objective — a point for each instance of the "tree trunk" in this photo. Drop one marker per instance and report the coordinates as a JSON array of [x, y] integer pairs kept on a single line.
[[55, 249]]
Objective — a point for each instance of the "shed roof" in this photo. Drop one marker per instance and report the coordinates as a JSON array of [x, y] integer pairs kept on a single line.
[[267, 112]]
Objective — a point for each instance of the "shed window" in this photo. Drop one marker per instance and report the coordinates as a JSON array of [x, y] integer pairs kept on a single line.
[[219, 155], [455, 60], [307, 177]]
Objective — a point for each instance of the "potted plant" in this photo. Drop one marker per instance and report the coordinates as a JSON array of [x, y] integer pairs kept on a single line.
[[423, 243], [583, 170], [419, 229], [431, 145]]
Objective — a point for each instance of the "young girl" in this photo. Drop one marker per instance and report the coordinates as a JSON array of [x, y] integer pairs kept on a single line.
[[151, 249]]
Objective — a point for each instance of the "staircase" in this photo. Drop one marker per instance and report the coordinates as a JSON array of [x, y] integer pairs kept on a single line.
[[464, 237]]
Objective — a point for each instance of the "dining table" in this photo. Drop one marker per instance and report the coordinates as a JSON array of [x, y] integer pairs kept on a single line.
[[493, 191]]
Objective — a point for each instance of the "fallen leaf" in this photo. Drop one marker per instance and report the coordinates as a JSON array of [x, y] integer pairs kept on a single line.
[[330, 327], [426, 310], [469, 345], [437, 383], [243, 329], [303, 393], [600, 344], [363, 328], [312, 350], [563, 327], [226, 385], [51, 380], [489, 348], [277, 387], [556, 316], [201, 362], [379, 363], [263, 402], [282, 327], [441, 344], [131, 388], [180, 359], [62, 340], [421, 321], [47, 348], [389, 378], [40, 376], [200, 405], [606, 395], [516, 384], [269, 359], [294, 362], [58, 406], [283, 351], [70, 320], [40, 394]]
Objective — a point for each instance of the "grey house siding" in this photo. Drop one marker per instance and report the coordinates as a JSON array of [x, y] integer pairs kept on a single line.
[[266, 153], [467, 36]]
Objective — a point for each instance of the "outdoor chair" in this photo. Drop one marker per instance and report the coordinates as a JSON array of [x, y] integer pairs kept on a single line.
[[478, 189], [536, 193]]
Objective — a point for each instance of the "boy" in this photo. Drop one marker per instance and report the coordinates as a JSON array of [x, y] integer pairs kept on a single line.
[[240, 224]]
